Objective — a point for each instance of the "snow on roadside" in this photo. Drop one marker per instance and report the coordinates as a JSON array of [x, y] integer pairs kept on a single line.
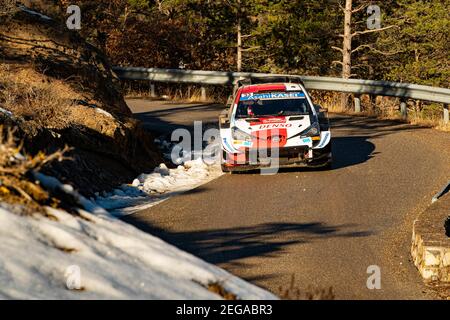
[[38, 256], [148, 190], [34, 13], [103, 112], [103, 257], [6, 112], [54, 185]]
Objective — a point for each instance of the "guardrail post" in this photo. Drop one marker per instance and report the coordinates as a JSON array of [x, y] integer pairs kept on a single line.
[[357, 100], [152, 90], [446, 114], [203, 97], [404, 109]]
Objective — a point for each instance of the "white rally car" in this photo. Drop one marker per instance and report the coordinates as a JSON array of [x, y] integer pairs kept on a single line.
[[269, 120]]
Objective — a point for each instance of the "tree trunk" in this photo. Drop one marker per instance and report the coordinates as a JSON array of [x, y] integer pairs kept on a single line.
[[347, 49], [239, 39], [347, 42]]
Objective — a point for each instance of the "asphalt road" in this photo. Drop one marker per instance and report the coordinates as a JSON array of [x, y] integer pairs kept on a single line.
[[325, 228]]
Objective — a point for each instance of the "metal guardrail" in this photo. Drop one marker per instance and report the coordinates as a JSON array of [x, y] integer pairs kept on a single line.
[[355, 86]]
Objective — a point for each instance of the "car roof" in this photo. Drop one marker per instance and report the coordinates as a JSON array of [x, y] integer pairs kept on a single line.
[[271, 87]]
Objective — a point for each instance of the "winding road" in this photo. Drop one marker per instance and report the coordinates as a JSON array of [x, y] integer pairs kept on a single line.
[[324, 228]]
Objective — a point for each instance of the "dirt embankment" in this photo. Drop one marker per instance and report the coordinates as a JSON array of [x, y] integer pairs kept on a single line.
[[56, 90]]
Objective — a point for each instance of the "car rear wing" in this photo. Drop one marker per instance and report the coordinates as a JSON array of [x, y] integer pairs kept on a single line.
[[274, 79]]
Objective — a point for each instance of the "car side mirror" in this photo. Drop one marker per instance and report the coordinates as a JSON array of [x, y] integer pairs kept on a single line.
[[319, 109], [224, 121]]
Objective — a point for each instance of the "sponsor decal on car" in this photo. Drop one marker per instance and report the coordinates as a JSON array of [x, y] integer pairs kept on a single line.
[[242, 143], [273, 120], [260, 121], [275, 126], [325, 140], [271, 96], [277, 139], [227, 146]]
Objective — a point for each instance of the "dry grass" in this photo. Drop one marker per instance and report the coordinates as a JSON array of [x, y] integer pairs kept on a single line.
[[191, 96], [177, 93], [442, 289], [7, 8], [293, 292], [218, 288], [46, 102], [30, 95], [419, 113], [17, 185]]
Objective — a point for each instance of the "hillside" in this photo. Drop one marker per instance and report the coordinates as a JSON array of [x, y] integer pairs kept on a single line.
[[57, 93], [56, 89]]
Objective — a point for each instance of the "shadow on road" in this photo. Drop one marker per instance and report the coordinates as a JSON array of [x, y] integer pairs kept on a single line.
[[369, 126], [230, 245], [347, 151], [351, 138], [351, 150], [169, 118]]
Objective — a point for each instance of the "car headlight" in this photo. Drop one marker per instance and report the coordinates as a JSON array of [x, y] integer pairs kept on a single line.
[[238, 134], [311, 131]]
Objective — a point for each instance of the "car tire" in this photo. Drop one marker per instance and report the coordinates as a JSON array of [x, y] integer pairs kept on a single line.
[[226, 169], [328, 165]]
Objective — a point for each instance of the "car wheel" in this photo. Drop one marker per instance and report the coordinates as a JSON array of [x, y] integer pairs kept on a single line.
[[226, 169]]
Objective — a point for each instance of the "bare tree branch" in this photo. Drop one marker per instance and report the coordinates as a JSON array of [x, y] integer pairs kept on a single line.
[[356, 66], [337, 62], [363, 46], [338, 49], [263, 56], [251, 48], [361, 7], [357, 33], [371, 48]]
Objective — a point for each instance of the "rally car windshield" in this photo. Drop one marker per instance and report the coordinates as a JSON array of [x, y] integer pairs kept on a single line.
[[272, 104]]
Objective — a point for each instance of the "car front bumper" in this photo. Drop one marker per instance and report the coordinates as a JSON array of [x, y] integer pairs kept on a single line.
[[301, 156]]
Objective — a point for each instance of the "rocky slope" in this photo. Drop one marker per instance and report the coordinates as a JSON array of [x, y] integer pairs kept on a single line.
[[56, 89]]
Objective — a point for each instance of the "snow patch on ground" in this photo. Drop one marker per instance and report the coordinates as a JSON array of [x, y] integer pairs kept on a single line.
[[54, 185], [105, 113], [38, 257], [148, 190], [34, 13], [6, 112], [93, 255]]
